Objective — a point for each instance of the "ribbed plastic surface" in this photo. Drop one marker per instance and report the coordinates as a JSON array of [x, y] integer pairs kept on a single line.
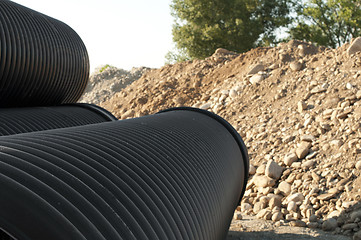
[[173, 175], [24, 120], [5, 236], [42, 60]]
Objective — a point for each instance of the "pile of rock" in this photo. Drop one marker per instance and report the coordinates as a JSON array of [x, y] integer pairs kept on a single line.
[[298, 109], [108, 80], [297, 191]]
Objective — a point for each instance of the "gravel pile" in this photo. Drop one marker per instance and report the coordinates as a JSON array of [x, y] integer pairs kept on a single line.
[[298, 108], [108, 80]]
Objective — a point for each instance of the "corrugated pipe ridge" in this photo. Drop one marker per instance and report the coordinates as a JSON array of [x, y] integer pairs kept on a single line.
[[42, 60], [173, 175], [33, 119]]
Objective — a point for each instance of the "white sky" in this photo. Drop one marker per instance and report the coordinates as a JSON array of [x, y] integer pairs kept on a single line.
[[122, 33]]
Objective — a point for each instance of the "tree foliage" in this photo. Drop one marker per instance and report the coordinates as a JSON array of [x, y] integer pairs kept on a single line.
[[327, 22], [202, 26]]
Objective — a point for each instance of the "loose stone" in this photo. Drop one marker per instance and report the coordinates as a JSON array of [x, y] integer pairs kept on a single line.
[[273, 170], [329, 224], [303, 149], [296, 66], [237, 216], [277, 216], [301, 106], [256, 68], [298, 223], [257, 78], [291, 158], [285, 188], [355, 46]]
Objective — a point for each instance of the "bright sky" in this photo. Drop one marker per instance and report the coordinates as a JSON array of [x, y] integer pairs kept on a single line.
[[122, 33]]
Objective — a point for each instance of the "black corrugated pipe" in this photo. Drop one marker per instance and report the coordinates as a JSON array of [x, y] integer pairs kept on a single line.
[[33, 119], [42, 60], [178, 174]]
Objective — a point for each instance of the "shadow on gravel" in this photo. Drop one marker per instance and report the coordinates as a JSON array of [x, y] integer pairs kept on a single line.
[[277, 236], [251, 228]]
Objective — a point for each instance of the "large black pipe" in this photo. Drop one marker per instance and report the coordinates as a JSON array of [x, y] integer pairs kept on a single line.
[[42, 60], [33, 119], [178, 174]]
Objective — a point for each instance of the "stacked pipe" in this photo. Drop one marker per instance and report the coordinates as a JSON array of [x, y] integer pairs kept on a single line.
[[43, 61], [32, 119], [72, 171]]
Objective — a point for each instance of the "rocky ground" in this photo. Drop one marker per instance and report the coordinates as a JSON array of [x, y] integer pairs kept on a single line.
[[259, 229], [108, 80], [298, 109]]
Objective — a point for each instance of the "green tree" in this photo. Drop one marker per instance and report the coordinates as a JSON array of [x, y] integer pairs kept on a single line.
[[202, 26], [177, 55], [329, 23]]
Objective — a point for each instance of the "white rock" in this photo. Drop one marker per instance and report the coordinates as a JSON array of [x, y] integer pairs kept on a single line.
[[252, 169], [336, 143], [319, 89], [246, 207], [301, 105], [290, 158], [256, 68], [222, 51], [233, 93], [275, 201], [308, 164], [296, 66], [273, 170], [257, 78], [358, 94], [308, 138], [303, 149], [311, 155], [347, 205], [307, 122], [277, 216], [225, 92], [296, 165], [263, 181], [261, 169], [358, 165], [197, 105], [258, 206], [355, 46], [297, 197], [292, 206], [239, 88], [333, 214], [262, 213], [285, 188], [349, 86], [288, 139], [206, 106], [129, 114]]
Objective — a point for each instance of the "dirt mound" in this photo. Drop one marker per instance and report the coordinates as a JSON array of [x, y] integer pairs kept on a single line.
[[108, 80], [298, 109]]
